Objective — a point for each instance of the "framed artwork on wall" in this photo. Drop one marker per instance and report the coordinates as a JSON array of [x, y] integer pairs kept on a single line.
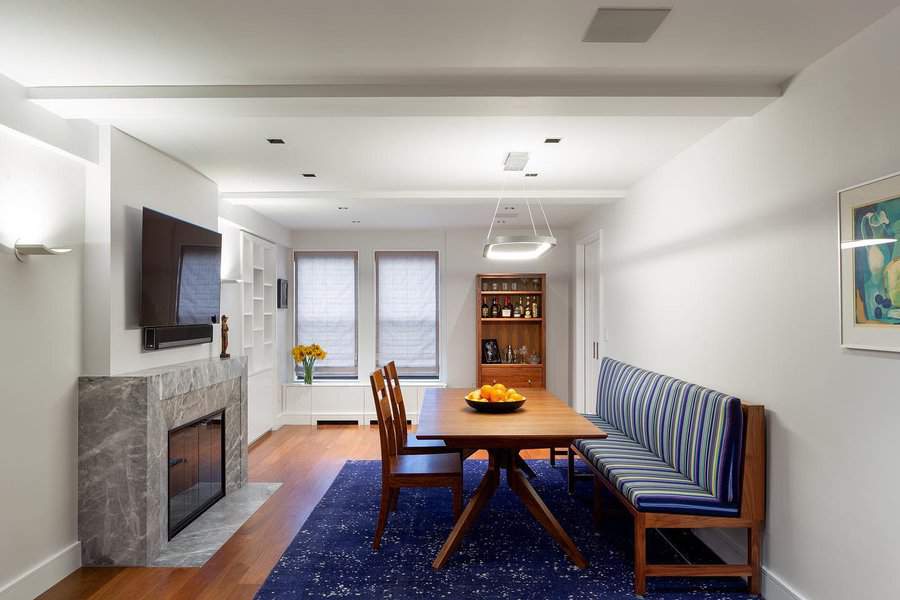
[[282, 293], [869, 222]]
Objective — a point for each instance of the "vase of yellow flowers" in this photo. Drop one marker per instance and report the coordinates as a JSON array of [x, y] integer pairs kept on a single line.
[[307, 356]]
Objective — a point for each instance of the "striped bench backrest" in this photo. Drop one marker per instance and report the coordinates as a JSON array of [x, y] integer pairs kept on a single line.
[[696, 430]]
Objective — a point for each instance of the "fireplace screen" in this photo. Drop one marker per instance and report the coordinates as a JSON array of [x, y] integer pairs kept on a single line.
[[196, 469]]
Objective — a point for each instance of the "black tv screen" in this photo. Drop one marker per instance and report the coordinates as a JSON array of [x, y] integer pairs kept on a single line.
[[180, 272]]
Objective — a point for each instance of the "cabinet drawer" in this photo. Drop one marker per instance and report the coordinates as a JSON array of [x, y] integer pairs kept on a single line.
[[513, 376]]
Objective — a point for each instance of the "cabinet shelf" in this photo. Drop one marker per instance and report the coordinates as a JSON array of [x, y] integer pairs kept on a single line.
[[513, 365], [512, 293], [510, 320]]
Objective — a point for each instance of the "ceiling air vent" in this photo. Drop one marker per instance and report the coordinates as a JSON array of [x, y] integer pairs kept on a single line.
[[625, 25], [515, 161]]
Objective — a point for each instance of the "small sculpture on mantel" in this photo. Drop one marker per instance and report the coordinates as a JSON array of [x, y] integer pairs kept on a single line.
[[224, 338]]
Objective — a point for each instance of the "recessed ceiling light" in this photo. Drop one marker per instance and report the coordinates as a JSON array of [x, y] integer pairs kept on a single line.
[[515, 161], [309, 174], [343, 208], [275, 140], [531, 174], [357, 222], [552, 140], [625, 25]]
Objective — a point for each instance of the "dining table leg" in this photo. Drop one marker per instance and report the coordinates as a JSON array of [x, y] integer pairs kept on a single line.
[[476, 504], [504, 458], [532, 501]]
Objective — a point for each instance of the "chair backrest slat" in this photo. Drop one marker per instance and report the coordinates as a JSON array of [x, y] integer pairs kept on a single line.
[[383, 411], [397, 404]]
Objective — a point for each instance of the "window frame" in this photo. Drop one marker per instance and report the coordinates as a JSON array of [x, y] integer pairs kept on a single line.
[[319, 375], [437, 316]]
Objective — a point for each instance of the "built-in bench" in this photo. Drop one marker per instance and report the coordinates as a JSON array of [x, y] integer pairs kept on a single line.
[[678, 455]]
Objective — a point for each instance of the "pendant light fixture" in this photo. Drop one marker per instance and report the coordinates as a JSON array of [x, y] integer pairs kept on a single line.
[[519, 246]]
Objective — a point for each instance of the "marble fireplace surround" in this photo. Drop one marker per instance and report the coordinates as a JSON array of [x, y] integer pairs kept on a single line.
[[123, 425]]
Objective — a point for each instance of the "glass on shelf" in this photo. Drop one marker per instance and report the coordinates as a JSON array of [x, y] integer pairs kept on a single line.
[[495, 286], [514, 286], [505, 286]]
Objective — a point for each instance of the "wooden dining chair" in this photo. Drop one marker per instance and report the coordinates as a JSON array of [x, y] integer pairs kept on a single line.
[[407, 442], [408, 470]]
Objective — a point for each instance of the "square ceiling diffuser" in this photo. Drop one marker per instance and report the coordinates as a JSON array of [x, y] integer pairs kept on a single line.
[[625, 25]]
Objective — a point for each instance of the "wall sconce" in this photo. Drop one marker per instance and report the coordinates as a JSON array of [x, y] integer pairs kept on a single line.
[[23, 250]]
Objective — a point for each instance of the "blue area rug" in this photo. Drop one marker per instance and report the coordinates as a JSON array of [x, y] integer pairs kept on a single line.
[[505, 555]]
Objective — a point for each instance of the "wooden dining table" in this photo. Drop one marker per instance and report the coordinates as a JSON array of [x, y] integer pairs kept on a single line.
[[544, 421]]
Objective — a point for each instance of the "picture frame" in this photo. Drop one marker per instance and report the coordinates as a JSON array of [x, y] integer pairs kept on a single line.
[[490, 352], [869, 265], [282, 297]]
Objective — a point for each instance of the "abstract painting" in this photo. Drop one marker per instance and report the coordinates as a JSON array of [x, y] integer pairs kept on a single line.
[[870, 265]]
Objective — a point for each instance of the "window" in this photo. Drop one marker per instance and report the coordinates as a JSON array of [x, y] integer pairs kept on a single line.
[[406, 298], [327, 309]]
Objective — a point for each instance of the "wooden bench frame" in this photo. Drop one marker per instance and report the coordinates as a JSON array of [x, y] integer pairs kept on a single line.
[[751, 516]]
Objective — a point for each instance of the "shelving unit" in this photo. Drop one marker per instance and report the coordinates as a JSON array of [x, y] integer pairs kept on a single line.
[[258, 299], [512, 331]]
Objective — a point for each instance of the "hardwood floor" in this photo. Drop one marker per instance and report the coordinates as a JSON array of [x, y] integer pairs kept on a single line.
[[306, 459]]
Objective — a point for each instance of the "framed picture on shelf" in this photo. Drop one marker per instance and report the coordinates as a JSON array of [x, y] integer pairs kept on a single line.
[[490, 352], [869, 224]]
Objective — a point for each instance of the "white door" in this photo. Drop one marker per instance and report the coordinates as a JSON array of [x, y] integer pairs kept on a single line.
[[593, 323]]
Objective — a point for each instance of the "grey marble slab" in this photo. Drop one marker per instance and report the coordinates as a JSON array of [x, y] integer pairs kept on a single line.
[[123, 425], [197, 542]]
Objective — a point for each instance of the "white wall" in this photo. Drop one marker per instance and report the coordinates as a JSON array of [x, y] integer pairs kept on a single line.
[[131, 175], [722, 270], [41, 199], [460, 256]]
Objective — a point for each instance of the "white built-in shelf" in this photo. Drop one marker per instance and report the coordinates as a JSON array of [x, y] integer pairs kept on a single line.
[[258, 274]]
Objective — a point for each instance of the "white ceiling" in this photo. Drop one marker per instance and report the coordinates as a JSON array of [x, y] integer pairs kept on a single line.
[[173, 42], [405, 109], [429, 154]]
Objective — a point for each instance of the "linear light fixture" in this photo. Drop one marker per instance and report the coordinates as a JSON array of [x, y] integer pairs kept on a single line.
[[23, 250], [864, 243]]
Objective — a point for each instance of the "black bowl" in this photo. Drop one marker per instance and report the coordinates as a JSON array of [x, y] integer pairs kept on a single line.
[[496, 407]]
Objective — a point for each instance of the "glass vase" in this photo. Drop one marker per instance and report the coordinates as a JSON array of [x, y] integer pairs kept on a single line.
[[308, 373]]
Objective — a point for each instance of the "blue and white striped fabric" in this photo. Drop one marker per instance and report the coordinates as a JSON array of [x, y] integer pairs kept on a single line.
[[673, 446]]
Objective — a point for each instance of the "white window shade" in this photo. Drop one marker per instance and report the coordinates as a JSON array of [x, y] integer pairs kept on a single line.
[[327, 309], [407, 312]]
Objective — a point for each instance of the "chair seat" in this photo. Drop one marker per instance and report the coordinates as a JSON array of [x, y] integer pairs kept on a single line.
[[417, 446], [649, 483], [418, 465]]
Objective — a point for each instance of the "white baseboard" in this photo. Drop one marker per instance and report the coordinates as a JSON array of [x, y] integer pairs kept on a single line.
[[730, 551], [43, 576]]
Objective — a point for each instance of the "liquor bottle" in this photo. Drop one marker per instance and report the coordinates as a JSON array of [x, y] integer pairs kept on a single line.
[[528, 312], [495, 309], [517, 309], [535, 308], [509, 354], [485, 309], [507, 309]]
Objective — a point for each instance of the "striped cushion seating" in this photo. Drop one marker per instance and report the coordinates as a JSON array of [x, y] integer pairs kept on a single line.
[[672, 447]]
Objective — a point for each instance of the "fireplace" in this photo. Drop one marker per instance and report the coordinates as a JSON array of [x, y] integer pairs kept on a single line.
[[196, 469]]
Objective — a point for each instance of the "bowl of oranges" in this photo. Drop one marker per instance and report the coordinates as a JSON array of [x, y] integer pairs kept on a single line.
[[495, 398]]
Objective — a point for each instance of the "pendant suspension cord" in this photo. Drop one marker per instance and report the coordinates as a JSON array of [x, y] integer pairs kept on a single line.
[[496, 208], [528, 205], [531, 216], [546, 220]]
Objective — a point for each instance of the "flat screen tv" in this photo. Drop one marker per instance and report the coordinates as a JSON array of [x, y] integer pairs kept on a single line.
[[180, 272]]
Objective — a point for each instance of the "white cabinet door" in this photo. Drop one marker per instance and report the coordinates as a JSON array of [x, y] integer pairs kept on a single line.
[[595, 347]]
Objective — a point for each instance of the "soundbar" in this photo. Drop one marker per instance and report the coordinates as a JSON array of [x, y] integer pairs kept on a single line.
[[157, 338]]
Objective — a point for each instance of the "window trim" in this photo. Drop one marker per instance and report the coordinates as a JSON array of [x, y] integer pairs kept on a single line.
[[298, 375], [437, 312]]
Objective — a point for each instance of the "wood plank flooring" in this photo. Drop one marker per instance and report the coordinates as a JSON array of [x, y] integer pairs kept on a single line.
[[306, 460]]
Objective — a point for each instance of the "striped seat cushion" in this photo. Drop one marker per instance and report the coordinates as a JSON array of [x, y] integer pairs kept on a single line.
[[649, 483], [693, 431]]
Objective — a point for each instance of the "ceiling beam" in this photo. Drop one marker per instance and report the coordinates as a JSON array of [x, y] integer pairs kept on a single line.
[[565, 97]]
